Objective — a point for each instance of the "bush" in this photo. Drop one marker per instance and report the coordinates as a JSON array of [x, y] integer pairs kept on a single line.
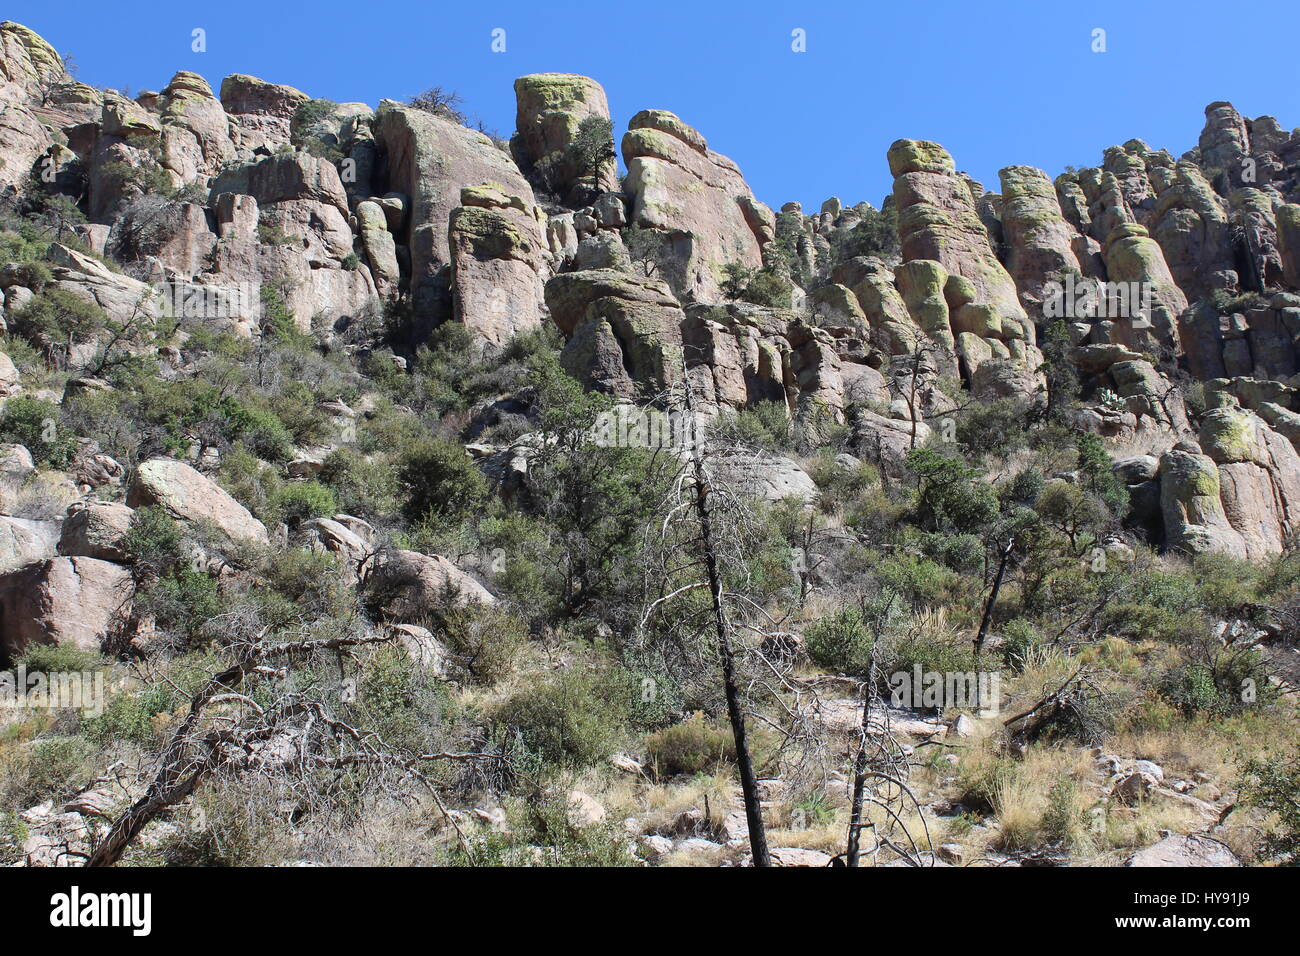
[[58, 315], [153, 539], [488, 641], [1273, 784], [258, 428], [440, 481], [366, 487], [35, 423], [541, 834], [130, 717], [184, 599], [59, 659], [400, 702], [571, 719], [53, 768], [300, 501], [840, 642], [694, 746]]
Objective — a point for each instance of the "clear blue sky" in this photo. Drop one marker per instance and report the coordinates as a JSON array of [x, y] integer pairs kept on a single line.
[[996, 83]]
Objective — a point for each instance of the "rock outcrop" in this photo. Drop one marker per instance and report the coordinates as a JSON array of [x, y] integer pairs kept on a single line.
[[696, 199]]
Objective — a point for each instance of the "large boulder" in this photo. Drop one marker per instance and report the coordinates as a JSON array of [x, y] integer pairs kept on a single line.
[[764, 476], [697, 199], [1184, 850], [938, 220], [29, 66], [195, 129], [97, 530], [624, 331], [549, 109], [26, 540], [431, 159], [1259, 478], [497, 248], [74, 601], [189, 496], [1132, 256], [1037, 237], [260, 112], [23, 140], [408, 586], [1190, 501]]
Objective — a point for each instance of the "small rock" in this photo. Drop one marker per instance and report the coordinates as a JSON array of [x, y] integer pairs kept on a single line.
[[584, 810]]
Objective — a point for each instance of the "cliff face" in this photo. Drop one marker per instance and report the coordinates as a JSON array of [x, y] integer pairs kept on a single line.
[[346, 210]]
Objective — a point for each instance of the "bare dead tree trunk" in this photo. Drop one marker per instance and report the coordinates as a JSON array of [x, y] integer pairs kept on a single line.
[[860, 764], [735, 711]]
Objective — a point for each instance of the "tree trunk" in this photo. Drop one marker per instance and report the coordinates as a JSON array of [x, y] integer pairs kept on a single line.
[[735, 712]]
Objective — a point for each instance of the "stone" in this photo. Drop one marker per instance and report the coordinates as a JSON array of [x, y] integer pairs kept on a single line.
[[73, 601], [584, 810], [794, 856], [409, 585], [97, 531], [937, 220], [697, 198], [765, 476], [24, 541], [189, 496], [496, 246], [550, 107], [1037, 237], [430, 160], [1181, 850]]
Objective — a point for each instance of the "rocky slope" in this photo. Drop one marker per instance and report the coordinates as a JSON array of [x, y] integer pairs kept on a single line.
[[258, 212]]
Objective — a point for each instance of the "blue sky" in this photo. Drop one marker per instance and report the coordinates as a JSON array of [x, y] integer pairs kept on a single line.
[[996, 83]]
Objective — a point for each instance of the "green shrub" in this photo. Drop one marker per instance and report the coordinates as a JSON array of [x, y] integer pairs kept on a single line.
[[487, 641], [541, 834], [440, 481], [1272, 783], [59, 315], [299, 501], [130, 717], [59, 659], [53, 768], [185, 599], [153, 539], [570, 719], [260, 429], [34, 423], [840, 642], [693, 746]]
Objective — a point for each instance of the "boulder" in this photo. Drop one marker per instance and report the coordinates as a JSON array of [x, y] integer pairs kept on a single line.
[[410, 586], [24, 541], [696, 198], [431, 159], [497, 246], [549, 109], [260, 112], [1035, 233], [189, 496], [1184, 850], [764, 476], [75, 601], [96, 531]]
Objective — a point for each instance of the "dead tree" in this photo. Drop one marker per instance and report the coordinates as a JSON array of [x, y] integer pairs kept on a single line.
[[227, 731], [693, 508]]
